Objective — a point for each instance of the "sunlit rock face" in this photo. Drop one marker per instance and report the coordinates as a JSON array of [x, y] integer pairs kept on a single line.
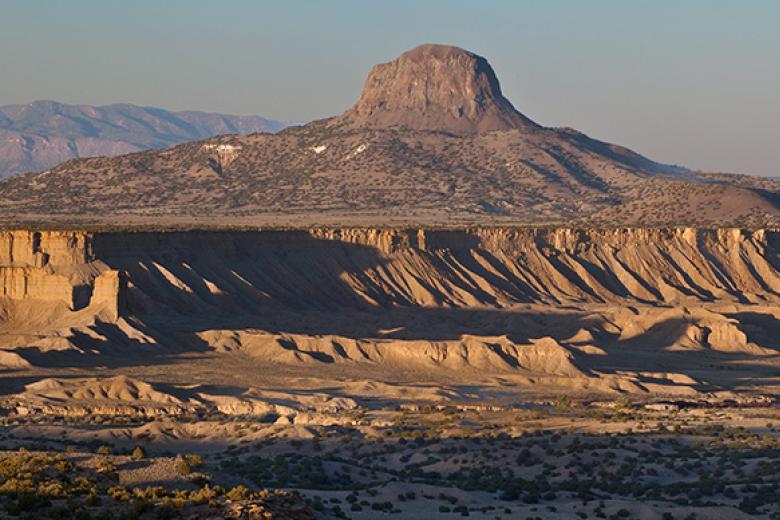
[[436, 88]]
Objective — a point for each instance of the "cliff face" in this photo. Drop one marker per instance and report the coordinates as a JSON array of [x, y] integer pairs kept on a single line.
[[20, 283], [607, 309], [435, 88], [502, 267], [360, 267], [36, 248], [55, 266]]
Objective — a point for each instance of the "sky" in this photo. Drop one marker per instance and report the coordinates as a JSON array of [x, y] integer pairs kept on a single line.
[[689, 82]]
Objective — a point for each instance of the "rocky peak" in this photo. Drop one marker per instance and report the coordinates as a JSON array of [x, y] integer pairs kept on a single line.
[[438, 88]]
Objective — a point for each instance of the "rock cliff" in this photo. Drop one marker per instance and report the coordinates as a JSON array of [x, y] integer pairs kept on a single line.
[[56, 266], [435, 88], [551, 305], [338, 267]]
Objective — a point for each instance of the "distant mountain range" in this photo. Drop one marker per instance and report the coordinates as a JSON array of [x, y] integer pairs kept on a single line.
[[431, 139], [42, 134]]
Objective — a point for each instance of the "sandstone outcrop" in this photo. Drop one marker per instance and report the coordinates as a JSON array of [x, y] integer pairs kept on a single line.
[[58, 267], [435, 88], [544, 305], [494, 267], [129, 396], [374, 268]]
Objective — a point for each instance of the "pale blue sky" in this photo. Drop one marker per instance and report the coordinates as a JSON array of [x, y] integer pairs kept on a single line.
[[690, 82]]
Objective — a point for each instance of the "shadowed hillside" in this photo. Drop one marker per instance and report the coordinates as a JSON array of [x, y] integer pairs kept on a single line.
[[633, 310]]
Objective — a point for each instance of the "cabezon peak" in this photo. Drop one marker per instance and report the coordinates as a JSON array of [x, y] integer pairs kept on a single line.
[[435, 88]]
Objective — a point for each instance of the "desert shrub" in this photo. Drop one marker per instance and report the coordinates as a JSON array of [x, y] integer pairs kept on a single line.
[[105, 466], [564, 402], [203, 495], [182, 467], [237, 493], [118, 493], [194, 460], [64, 466]]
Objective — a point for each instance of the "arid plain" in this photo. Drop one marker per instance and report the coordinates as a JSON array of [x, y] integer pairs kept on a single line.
[[497, 320]]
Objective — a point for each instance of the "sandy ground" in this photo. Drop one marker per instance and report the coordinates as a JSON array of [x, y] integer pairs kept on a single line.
[[561, 461], [494, 372]]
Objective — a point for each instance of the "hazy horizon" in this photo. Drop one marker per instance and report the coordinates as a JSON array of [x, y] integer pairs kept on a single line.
[[688, 84]]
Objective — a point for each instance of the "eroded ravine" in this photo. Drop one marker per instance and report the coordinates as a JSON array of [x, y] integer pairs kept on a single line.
[[667, 310]]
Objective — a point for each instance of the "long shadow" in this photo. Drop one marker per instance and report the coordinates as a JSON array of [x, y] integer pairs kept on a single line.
[[14, 381], [762, 329], [186, 283], [623, 155], [650, 352], [647, 353]]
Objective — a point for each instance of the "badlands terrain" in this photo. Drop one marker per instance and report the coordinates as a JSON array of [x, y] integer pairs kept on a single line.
[[429, 305], [374, 372]]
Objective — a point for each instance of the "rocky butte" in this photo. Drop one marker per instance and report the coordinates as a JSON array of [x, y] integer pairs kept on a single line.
[[438, 89], [380, 308], [431, 141]]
